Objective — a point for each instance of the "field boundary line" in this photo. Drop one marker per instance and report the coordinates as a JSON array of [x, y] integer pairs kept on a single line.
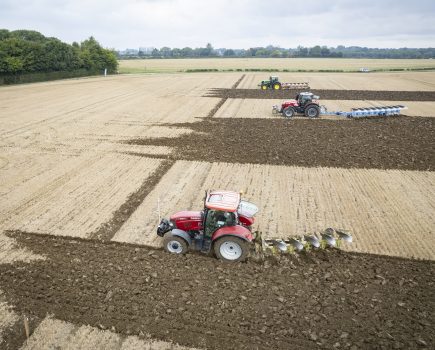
[[107, 230], [213, 112]]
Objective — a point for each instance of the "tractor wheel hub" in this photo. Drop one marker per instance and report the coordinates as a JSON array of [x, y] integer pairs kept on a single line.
[[174, 247], [230, 250]]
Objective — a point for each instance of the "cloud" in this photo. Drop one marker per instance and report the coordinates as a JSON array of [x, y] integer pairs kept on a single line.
[[225, 23]]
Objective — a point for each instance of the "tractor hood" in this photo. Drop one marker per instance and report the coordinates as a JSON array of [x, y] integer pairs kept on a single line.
[[289, 103], [186, 215]]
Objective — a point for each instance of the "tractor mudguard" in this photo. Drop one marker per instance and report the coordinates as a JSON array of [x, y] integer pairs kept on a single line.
[[236, 231], [183, 234]]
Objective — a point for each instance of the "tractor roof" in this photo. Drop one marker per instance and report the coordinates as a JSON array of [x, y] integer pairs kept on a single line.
[[309, 94], [222, 200]]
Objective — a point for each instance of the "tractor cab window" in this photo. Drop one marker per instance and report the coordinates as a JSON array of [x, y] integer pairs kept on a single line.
[[216, 219], [303, 99]]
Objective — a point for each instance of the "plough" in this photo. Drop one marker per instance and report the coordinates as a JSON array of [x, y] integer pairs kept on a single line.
[[294, 86], [328, 238], [367, 112]]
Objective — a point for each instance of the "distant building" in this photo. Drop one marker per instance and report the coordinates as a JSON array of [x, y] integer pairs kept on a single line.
[[220, 52], [129, 52], [146, 50]]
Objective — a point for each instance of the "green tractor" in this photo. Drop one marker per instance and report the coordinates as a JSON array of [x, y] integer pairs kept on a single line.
[[272, 83]]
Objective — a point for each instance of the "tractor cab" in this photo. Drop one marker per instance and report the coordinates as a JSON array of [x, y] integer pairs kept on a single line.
[[225, 208], [219, 210], [305, 98]]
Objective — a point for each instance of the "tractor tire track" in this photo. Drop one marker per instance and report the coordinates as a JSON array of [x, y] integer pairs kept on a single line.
[[222, 101]]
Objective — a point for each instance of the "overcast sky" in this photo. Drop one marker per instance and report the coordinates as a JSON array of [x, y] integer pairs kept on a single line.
[[228, 23]]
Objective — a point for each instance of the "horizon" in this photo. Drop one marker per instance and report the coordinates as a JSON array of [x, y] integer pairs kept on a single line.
[[274, 46]]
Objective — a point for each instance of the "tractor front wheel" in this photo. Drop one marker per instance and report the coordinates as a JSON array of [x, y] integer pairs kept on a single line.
[[230, 248], [289, 112], [174, 244], [263, 87]]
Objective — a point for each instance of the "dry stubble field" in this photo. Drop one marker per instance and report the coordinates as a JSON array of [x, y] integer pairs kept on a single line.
[[179, 65], [68, 168]]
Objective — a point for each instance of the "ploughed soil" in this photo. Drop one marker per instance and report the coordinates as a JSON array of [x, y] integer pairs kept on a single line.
[[382, 143], [325, 94], [323, 300]]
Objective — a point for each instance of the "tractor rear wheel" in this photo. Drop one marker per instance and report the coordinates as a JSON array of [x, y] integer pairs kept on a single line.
[[312, 111], [289, 112], [277, 86], [174, 244], [230, 248]]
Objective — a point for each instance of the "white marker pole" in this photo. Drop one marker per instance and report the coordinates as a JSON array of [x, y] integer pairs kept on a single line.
[[158, 208], [105, 71]]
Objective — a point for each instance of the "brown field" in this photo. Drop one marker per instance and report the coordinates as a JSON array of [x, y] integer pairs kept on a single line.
[[177, 65], [98, 159]]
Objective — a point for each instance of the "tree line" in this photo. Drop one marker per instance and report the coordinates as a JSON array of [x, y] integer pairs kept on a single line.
[[28, 51], [274, 51]]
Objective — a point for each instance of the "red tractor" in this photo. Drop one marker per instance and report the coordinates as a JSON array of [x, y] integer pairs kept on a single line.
[[305, 103], [224, 225]]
